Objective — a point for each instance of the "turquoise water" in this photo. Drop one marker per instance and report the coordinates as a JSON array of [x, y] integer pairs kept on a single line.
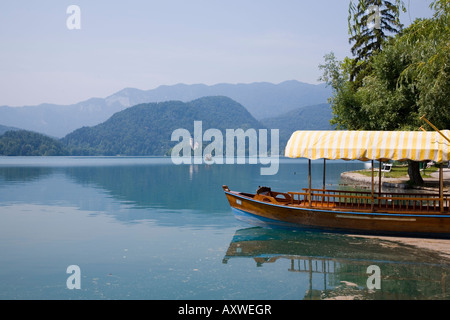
[[143, 228]]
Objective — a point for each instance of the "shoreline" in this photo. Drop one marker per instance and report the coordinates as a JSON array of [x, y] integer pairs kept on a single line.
[[439, 246], [430, 184]]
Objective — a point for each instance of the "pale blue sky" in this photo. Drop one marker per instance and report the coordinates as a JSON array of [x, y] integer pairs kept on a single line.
[[145, 44]]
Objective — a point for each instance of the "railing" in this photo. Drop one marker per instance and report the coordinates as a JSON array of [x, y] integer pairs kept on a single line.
[[367, 200]]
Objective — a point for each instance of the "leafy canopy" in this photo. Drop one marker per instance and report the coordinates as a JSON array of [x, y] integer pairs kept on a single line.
[[409, 77], [393, 80]]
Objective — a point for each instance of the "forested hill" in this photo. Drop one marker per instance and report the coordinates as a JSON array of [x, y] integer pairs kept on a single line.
[[27, 143], [4, 129], [316, 117], [146, 129], [261, 99]]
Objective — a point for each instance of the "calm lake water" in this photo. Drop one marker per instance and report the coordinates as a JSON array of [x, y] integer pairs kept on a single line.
[[144, 228]]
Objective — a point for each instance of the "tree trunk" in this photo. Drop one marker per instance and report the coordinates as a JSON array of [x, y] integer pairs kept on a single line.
[[414, 173]]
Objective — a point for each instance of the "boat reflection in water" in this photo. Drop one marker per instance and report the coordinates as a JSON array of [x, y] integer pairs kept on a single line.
[[347, 267]]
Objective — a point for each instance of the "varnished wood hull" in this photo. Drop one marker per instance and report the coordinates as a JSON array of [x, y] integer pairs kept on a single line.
[[418, 224]]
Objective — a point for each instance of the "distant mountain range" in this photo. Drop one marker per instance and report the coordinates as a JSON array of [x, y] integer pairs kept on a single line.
[[146, 129], [262, 100], [316, 117]]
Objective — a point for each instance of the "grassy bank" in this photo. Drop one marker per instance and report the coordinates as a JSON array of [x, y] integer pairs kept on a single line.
[[398, 172]]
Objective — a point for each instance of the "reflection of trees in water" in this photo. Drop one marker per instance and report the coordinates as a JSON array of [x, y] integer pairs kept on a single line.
[[164, 186], [23, 174], [399, 281], [337, 265]]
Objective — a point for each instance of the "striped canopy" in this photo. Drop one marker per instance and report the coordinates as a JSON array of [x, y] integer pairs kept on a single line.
[[369, 145]]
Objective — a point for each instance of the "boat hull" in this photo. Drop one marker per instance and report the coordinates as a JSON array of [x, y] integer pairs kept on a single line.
[[435, 225]]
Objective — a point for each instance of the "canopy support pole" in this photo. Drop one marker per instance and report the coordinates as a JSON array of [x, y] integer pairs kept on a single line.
[[434, 127], [372, 200], [309, 191], [324, 163], [379, 180], [441, 188]]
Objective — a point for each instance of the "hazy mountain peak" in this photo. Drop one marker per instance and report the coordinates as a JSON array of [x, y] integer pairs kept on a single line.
[[261, 99], [145, 129]]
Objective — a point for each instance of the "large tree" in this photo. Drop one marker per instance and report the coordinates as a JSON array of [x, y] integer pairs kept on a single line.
[[409, 77], [371, 22]]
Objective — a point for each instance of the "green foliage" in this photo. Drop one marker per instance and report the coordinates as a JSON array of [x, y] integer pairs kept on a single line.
[[388, 102], [27, 143], [347, 109], [426, 43], [409, 77], [146, 129], [371, 22], [390, 85]]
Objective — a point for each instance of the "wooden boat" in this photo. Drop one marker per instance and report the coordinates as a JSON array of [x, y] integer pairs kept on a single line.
[[374, 212]]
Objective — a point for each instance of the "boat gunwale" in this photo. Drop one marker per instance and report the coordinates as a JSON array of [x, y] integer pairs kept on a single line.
[[338, 211]]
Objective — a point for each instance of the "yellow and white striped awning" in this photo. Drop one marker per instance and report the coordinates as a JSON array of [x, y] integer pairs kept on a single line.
[[369, 145]]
